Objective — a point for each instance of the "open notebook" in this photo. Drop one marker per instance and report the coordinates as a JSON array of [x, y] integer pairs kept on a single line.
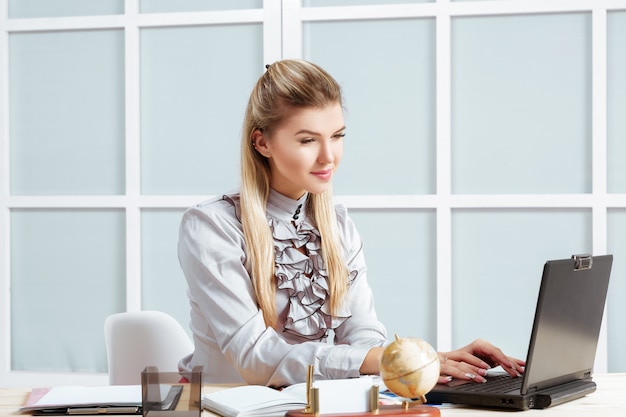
[[562, 346]]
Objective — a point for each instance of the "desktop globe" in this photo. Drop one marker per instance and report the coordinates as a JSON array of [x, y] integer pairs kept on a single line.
[[409, 367]]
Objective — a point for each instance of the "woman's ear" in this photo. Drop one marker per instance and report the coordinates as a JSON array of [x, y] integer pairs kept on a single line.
[[260, 143]]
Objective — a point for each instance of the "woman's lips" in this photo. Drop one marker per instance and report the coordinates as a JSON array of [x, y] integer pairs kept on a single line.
[[324, 175]]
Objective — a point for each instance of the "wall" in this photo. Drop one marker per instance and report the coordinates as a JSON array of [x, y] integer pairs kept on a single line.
[[483, 139]]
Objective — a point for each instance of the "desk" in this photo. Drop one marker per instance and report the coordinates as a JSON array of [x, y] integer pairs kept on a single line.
[[609, 400]]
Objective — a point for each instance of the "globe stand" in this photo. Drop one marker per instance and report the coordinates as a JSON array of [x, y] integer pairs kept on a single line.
[[424, 410]]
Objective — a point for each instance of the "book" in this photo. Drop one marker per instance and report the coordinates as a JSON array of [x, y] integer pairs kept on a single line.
[[335, 396], [252, 401]]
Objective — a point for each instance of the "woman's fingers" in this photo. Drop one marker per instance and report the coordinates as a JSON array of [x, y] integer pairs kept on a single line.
[[469, 358], [514, 367], [461, 370], [472, 362]]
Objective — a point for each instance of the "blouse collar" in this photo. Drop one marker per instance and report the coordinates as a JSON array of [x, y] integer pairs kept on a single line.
[[286, 209]]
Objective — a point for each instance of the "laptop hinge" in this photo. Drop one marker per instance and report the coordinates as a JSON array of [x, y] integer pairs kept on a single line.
[[582, 262]]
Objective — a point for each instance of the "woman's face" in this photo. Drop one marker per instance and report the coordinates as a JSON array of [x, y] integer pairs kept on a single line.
[[304, 151]]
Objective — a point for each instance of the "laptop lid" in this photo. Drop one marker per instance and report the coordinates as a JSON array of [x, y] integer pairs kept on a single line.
[[567, 321], [563, 342]]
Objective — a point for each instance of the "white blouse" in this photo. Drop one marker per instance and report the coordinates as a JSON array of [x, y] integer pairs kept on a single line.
[[231, 340]]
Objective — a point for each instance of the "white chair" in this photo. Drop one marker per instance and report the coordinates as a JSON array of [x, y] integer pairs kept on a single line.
[[135, 340]]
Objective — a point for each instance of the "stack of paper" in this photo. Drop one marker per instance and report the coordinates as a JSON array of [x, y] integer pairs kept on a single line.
[[114, 399]]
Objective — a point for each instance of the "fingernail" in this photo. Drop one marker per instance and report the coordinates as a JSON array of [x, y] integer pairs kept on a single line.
[[470, 376], [448, 378], [482, 372]]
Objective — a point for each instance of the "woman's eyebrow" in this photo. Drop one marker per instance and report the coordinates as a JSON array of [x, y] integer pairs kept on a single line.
[[312, 133], [307, 132]]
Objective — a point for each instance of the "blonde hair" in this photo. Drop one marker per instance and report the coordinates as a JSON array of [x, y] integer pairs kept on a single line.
[[285, 86]]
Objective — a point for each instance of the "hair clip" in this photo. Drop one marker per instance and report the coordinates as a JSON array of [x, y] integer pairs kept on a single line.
[[267, 66]]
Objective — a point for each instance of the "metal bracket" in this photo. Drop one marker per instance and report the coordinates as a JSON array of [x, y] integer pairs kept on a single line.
[[582, 262]]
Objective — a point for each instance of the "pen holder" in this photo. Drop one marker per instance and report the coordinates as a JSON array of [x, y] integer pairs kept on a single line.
[[384, 411], [406, 409], [165, 394]]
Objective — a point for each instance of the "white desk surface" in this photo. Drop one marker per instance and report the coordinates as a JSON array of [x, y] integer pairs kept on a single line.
[[608, 401]]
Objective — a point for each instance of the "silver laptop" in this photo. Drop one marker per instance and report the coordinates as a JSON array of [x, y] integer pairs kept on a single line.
[[562, 347]]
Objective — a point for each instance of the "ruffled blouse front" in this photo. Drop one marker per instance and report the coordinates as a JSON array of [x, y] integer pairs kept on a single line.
[[232, 342], [300, 270]]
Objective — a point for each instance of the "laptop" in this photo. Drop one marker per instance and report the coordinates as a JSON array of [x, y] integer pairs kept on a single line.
[[562, 347]]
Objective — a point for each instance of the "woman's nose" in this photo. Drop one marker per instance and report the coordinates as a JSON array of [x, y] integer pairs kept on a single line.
[[327, 153]]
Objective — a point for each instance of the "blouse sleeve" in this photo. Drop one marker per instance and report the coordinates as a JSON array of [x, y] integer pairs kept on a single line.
[[212, 257]]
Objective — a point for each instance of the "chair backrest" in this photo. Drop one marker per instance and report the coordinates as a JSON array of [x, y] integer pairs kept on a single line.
[[135, 340]]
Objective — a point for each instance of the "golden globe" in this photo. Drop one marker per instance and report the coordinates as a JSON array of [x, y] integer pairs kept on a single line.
[[409, 367]]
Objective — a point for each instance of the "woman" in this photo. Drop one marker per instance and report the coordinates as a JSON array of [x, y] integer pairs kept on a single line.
[[273, 268]]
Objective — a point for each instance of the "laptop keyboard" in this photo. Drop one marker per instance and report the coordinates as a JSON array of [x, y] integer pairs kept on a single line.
[[499, 383]]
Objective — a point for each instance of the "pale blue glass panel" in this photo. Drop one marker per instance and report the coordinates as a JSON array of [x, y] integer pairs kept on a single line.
[[163, 6], [616, 102], [67, 276], [162, 281], [57, 8], [387, 72], [67, 112], [521, 104], [195, 84], [616, 308], [326, 3], [400, 252], [497, 262]]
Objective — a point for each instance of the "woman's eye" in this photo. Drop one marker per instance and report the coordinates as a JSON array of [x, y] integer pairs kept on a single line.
[[339, 135], [306, 140]]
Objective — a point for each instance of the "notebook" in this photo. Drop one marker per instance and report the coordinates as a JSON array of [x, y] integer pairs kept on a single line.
[[563, 342]]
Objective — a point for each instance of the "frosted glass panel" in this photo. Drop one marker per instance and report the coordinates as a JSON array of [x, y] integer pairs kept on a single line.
[[160, 6], [399, 248], [497, 261], [56, 8], [163, 284], [617, 291], [195, 84], [388, 79], [616, 102], [67, 112], [521, 118], [67, 273]]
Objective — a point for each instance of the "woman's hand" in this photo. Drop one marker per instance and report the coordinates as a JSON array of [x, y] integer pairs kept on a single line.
[[472, 362]]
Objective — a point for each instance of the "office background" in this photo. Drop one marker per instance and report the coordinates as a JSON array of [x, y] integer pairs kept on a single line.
[[483, 139]]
